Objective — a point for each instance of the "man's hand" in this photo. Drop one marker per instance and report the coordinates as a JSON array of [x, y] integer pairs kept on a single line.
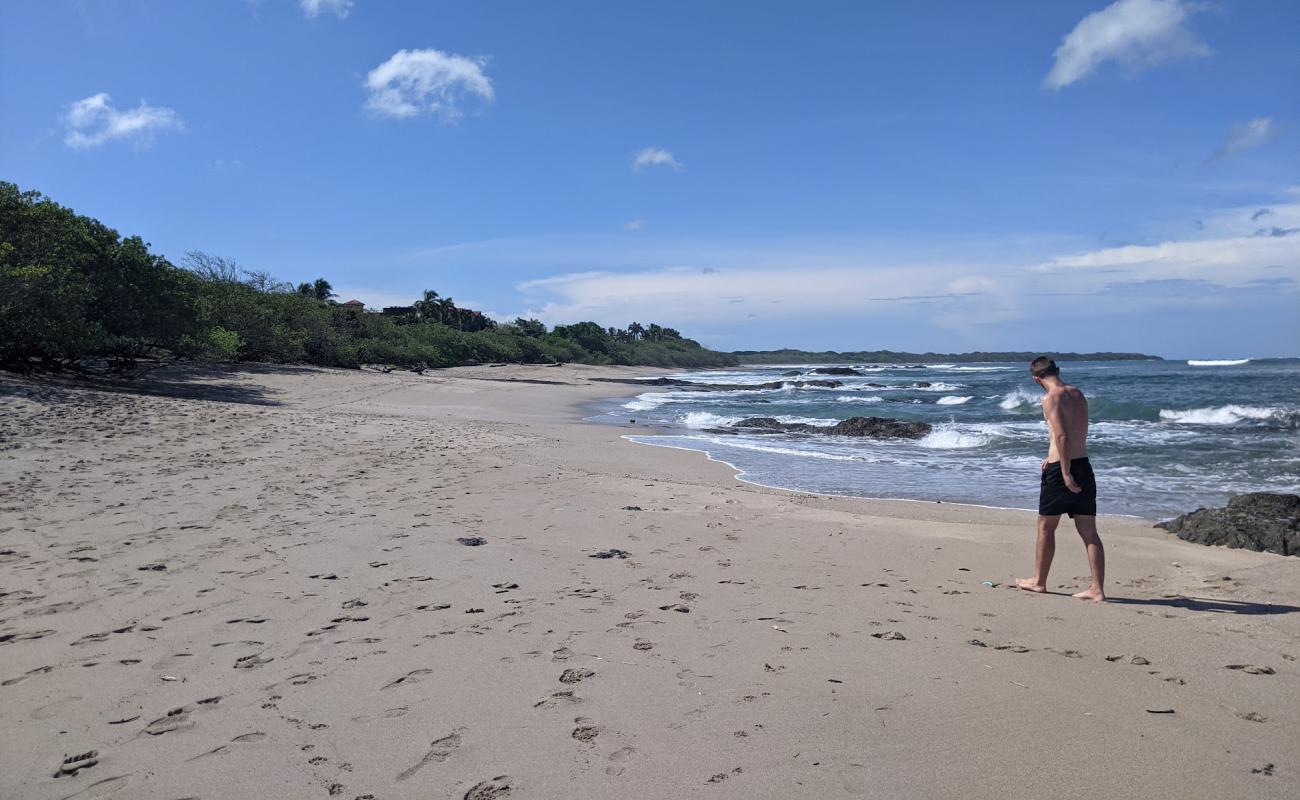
[[1069, 482], [1043, 465]]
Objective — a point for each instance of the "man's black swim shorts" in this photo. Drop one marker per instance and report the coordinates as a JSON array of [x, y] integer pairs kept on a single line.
[[1054, 499]]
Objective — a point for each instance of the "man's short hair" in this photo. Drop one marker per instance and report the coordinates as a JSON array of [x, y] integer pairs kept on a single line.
[[1043, 366]]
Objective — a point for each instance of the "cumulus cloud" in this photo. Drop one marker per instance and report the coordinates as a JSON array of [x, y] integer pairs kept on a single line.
[[95, 120], [414, 82], [654, 157], [1243, 137], [314, 8], [1136, 34]]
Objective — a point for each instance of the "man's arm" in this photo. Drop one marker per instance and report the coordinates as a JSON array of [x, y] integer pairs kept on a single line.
[[1058, 430]]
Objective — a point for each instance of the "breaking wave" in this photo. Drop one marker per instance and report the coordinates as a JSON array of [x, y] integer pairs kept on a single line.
[[1228, 415]]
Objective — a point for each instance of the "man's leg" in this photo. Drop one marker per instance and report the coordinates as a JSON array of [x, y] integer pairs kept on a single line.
[[1045, 551], [1087, 527]]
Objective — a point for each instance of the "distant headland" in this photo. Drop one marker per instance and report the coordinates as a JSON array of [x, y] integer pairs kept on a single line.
[[788, 356]]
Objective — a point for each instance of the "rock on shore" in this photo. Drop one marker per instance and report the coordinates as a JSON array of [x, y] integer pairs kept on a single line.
[[1260, 521]]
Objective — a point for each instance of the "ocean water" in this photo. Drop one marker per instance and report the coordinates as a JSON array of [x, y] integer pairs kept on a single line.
[[1166, 437]]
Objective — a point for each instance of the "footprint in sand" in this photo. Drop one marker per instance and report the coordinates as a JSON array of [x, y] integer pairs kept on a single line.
[[252, 661], [489, 790], [439, 750], [29, 673], [74, 764], [411, 677], [1251, 669], [557, 698], [575, 675], [243, 738], [618, 758]]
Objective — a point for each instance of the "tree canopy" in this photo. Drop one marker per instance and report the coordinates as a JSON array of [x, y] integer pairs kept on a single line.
[[73, 289]]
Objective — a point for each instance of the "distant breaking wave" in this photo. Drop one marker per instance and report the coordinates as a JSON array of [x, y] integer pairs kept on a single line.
[[1227, 415], [953, 400], [1228, 362]]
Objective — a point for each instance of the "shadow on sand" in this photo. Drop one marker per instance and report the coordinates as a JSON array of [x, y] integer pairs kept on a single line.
[[1208, 605], [218, 384]]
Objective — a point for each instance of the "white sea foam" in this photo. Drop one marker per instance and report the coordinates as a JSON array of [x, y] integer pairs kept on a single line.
[[953, 439], [741, 444], [953, 400], [703, 419], [870, 398], [1020, 400], [820, 422], [652, 400], [1223, 415], [1227, 362], [934, 387]]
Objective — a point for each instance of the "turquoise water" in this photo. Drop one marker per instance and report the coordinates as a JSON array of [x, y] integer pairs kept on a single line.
[[1166, 437]]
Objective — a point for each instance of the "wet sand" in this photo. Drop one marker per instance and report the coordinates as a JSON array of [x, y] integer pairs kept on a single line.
[[297, 583]]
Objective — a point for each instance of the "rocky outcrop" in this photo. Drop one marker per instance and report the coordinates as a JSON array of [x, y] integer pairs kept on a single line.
[[1259, 521], [836, 371], [869, 427]]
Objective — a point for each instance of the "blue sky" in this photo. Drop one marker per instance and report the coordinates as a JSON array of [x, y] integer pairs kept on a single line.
[[948, 176]]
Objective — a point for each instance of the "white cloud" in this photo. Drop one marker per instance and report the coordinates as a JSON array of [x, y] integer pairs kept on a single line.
[[1232, 254], [415, 82], [1232, 251], [95, 120], [1134, 33], [634, 225], [654, 157], [1243, 137], [314, 8]]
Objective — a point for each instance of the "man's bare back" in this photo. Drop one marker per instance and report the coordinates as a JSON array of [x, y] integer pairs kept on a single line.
[[1066, 409]]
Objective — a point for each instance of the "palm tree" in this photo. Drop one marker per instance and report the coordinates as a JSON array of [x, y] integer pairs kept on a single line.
[[322, 289], [446, 310]]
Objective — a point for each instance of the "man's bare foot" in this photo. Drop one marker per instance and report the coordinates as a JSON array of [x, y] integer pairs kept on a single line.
[[1031, 585], [1095, 595]]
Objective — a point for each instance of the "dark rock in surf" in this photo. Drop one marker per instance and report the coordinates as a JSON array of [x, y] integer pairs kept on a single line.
[[1260, 521], [868, 427], [880, 428], [836, 371]]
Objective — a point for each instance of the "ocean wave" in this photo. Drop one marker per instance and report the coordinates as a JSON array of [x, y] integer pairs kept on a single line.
[[1020, 400], [741, 444], [848, 398], [703, 419], [652, 400], [980, 369], [953, 400], [1227, 415], [953, 439], [1225, 362]]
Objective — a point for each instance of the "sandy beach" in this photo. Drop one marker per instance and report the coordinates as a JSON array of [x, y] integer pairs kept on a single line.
[[297, 583]]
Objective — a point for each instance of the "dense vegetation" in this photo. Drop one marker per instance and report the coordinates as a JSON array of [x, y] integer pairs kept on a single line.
[[72, 290], [896, 357]]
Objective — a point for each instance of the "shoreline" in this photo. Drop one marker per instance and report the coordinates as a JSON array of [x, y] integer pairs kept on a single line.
[[332, 583]]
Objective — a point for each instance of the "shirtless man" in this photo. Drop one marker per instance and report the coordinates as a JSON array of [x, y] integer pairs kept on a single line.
[[1068, 485]]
